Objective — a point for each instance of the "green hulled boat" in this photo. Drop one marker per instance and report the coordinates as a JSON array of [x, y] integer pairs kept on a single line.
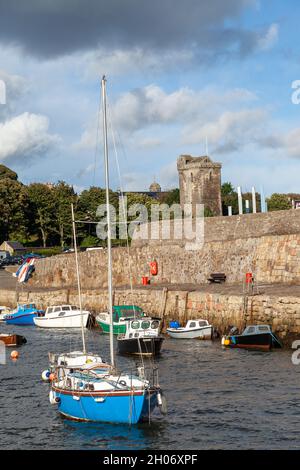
[[121, 313]]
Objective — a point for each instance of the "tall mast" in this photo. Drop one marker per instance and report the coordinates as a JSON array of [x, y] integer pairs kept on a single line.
[[109, 263], [78, 279]]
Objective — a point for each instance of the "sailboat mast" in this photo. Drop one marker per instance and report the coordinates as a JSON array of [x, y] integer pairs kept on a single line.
[[78, 279], [109, 263]]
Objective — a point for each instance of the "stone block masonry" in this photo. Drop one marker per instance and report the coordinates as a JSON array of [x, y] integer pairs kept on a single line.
[[282, 312], [267, 245], [273, 259]]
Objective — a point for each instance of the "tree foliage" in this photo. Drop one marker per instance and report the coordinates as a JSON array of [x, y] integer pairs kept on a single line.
[[7, 173], [40, 214], [279, 202]]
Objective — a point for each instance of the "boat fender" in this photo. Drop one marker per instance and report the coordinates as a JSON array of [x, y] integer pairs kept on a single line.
[[122, 382], [46, 375], [52, 397], [162, 402]]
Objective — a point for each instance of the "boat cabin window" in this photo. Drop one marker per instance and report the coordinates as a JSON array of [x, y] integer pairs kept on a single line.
[[74, 307], [61, 314], [66, 308], [263, 328], [249, 330], [155, 324], [135, 325], [202, 323], [57, 309], [50, 309], [192, 324]]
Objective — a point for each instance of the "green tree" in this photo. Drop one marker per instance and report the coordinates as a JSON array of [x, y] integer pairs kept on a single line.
[[278, 202], [14, 210], [90, 241], [42, 203], [227, 188], [229, 198], [88, 202], [7, 173], [171, 197], [64, 196]]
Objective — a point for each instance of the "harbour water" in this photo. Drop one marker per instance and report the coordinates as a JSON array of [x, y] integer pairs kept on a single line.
[[217, 399]]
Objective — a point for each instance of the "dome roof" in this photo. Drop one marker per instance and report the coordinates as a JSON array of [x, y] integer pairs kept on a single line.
[[155, 188]]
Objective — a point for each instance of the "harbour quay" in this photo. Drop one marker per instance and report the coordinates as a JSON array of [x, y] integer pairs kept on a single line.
[[264, 246]]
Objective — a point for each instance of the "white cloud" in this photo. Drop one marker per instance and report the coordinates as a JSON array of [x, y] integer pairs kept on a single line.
[[152, 105], [230, 131], [25, 136], [148, 143], [134, 61], [15, 87], [269, 39], [142, 108], [289, 142]]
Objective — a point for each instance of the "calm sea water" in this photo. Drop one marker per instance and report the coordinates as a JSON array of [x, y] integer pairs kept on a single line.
[[217, 399]]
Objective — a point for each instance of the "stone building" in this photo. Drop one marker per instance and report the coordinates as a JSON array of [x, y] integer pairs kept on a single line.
[[13, 248], [200, 183]]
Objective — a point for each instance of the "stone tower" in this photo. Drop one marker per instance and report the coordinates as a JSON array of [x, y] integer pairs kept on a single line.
[[200, 182]]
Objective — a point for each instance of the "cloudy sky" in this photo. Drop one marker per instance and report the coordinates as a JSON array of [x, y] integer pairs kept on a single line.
[[180, 74]]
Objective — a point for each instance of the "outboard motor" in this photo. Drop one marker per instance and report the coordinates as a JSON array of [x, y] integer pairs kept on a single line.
[[233, 331]]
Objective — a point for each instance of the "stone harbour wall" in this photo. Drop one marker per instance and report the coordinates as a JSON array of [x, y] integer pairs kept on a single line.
[[281, 312], [220, 229], [273, 259]]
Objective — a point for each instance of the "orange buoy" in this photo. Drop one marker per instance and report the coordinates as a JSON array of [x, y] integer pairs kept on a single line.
[[14, 354], [52, 377]]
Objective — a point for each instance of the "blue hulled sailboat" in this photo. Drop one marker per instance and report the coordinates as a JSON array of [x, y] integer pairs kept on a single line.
[[84, 387]]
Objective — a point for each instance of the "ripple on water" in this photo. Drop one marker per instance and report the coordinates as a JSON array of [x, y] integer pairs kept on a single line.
[[217, 399]]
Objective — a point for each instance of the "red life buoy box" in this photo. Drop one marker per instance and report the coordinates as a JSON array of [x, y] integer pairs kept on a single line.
[[153, 268], [249, 278]]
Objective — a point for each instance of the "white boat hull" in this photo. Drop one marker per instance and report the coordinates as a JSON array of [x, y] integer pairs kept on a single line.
[[68, 321], [183, 333]]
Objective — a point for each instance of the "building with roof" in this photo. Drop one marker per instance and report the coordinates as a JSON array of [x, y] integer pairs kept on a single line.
[[14, 248]]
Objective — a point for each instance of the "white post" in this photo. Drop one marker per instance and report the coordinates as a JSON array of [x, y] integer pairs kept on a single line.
[[262, 200], [247, 205], [229, 210], [253, 200], [239, 191]]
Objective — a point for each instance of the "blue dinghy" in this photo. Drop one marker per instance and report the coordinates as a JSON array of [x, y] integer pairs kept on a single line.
[[23, 315]]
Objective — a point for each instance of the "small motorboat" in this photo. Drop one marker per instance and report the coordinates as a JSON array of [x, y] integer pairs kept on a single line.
[[258, 337], [62, 316], [142, 336], [120, 314], [199, 329], [12, 340], [23, 315]]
